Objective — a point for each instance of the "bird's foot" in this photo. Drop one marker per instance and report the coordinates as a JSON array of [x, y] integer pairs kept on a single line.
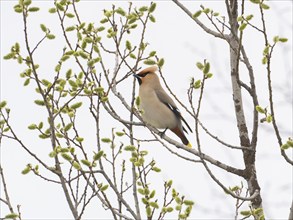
[[163, 133]]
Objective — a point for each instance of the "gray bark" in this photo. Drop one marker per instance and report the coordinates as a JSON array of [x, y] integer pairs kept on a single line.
[[248, 156], [291, 212]]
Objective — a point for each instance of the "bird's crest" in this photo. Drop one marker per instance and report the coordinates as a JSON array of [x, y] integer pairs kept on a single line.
[[150, 69]]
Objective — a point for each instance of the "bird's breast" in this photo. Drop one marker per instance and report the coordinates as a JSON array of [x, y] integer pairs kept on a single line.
[[155, 112]]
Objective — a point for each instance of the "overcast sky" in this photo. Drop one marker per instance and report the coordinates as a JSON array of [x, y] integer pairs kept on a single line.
[[181, 43]]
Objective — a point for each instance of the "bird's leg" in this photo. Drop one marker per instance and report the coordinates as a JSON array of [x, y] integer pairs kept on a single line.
[[163, 132]]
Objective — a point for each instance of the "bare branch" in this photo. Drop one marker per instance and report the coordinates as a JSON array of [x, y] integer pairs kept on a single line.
[[7, 199], [205, 28], [203, 156], [222, 142], [291, 212], [268, 66]]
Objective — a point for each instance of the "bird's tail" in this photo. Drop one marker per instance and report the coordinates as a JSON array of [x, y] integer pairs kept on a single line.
[[181, 135]]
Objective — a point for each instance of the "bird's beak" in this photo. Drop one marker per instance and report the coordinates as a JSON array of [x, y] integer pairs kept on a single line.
[[138, 78]]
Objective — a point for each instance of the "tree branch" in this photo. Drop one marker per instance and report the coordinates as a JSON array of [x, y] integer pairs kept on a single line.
[[205, 28], [7, 199], [291, 212]]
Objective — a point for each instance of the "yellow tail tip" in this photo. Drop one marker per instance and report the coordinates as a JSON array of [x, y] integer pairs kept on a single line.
[[189, 145]]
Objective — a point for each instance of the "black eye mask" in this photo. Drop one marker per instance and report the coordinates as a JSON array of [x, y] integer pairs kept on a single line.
[[144, 74], [138, 77]]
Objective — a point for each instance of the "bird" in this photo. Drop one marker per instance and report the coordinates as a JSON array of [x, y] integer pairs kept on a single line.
[[159, 110]]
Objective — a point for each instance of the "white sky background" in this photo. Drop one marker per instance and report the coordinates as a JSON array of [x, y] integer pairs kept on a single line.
[[181, 43]]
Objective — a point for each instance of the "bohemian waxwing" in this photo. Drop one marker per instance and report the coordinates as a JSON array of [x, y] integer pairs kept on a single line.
[[159, 110]]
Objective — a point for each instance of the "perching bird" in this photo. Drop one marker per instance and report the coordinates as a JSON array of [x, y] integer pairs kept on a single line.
[[159, 110]]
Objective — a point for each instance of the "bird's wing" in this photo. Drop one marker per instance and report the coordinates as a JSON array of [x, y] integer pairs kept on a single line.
[[166, 99]]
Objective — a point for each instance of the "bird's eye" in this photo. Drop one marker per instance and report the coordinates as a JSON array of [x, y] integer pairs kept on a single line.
[[144, 74]]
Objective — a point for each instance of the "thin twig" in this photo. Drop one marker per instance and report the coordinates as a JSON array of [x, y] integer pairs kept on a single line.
[[268, 66], [205, 28], [7, 201]]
